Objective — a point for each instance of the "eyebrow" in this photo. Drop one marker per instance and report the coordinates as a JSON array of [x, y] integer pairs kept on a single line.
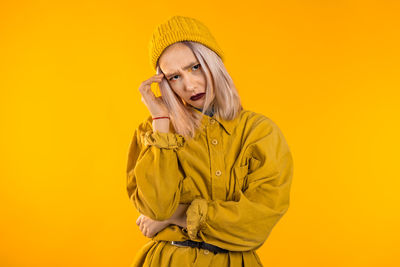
[[186, 67]]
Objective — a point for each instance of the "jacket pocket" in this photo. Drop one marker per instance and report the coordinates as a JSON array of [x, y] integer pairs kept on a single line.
[[240, 176], [253, 164]]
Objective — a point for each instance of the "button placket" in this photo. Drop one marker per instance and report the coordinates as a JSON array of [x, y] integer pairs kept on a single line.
[[217, 160]]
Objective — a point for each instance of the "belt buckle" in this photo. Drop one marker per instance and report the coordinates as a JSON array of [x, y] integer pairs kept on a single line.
[[176, 244]]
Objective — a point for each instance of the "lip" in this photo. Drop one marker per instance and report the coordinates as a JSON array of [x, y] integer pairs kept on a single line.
[[197, 97]]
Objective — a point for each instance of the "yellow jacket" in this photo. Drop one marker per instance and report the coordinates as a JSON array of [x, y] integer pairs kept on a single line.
[[236, 175]]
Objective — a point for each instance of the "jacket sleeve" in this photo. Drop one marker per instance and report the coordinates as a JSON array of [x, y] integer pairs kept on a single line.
[[245, 223], [154, 174]]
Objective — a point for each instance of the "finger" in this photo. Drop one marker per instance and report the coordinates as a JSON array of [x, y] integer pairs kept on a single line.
[[157, 76], [148, 98], [153, 79], [141, 223], [146, 90]]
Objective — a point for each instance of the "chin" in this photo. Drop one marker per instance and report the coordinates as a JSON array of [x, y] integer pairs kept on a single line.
[[199, 105]]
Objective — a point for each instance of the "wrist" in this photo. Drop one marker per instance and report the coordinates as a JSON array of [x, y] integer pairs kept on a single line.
[[160, 115], [171, 220], [179, 217], [161, 125]]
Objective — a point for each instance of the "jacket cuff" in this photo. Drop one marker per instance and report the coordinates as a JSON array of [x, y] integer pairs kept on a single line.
[[196, 217], [162, 140]]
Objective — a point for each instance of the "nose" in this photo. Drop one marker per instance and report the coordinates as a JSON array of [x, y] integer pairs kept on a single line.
[[190, 84]]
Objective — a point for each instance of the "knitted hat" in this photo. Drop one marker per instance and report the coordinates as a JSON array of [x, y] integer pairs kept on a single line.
[[180, 28]]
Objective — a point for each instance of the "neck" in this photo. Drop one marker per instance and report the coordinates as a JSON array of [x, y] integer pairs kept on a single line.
[[211, 113]]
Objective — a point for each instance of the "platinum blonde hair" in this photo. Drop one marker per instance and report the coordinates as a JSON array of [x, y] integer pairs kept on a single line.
[[221, 94]]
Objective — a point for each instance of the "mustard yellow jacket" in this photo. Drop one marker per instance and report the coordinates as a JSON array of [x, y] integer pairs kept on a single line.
[[236, 175]]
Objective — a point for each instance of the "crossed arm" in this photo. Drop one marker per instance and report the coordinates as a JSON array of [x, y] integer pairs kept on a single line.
[[150, 227], [239, 225]]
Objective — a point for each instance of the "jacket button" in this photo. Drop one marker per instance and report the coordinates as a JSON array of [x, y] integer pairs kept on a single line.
[[214, 141], [218, 173], [212, 121], [206, 251]]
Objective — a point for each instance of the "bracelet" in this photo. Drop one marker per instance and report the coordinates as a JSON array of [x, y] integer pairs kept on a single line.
[[160, 118]]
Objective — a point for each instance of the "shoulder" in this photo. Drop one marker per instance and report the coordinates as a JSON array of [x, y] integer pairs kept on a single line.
[[256, 122], [263, 135]]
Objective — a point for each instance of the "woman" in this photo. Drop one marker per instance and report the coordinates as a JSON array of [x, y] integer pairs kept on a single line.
[[210, 178]]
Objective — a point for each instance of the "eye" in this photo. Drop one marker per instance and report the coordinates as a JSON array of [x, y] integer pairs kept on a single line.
[[173, 77], [195, 66], [198, 66]]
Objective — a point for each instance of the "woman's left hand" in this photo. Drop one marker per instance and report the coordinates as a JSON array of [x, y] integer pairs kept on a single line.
[[150, 227]]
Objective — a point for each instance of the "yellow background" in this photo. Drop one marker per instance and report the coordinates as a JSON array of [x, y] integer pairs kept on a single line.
[[327, 72]]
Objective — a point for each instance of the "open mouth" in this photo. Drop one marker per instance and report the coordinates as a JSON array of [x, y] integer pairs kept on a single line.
[[197, 97]]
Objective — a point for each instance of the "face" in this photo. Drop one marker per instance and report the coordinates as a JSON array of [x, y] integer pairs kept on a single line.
[[184, 73]]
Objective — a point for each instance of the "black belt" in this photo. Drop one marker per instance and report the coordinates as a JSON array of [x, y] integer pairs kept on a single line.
[[203, 245]]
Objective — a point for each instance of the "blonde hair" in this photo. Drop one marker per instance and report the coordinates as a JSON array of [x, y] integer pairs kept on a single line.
[[221, 94]]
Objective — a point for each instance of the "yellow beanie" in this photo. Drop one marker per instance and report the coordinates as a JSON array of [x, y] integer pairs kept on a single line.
[[180, 28]]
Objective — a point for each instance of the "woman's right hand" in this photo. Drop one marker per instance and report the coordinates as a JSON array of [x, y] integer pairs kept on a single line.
[[155, 104], [150, 227]]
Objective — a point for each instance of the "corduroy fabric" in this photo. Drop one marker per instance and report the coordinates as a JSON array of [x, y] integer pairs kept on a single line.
[[180, 28], [234, 174]]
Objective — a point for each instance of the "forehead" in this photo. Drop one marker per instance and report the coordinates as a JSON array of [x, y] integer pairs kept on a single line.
[[175, 57]]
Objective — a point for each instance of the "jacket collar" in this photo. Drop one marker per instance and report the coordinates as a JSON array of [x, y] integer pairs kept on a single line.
[[228, 125]]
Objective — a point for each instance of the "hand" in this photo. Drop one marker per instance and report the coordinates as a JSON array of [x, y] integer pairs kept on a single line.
[[149, 227], [155, 104]]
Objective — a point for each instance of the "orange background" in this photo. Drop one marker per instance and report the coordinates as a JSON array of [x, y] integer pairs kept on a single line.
[[327, 72]]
